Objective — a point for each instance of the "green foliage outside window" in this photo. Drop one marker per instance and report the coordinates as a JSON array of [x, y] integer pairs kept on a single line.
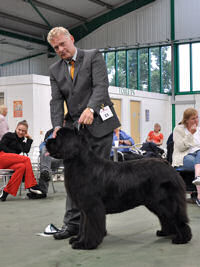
[[141, 69]]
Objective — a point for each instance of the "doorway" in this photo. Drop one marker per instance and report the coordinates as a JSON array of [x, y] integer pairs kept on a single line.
[[135, 120]]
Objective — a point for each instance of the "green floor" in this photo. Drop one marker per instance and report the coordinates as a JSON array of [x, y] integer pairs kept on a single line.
[[131, 239]]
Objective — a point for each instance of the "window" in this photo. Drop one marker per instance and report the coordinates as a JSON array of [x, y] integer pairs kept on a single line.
[[132, 68], [121, 68], [155, 69], [143, 69], [146, 69], [166, 80], [1, 98], [196, 66], [110, 60], [184, 68]]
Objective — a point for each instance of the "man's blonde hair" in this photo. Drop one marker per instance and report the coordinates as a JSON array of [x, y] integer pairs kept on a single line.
[[2, 108], [55, 32]]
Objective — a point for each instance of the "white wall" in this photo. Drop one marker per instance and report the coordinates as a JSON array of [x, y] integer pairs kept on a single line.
[[34, 91], [158, 105], [186, 101]]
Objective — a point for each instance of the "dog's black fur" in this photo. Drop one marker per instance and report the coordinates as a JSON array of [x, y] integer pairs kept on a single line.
[[99, 186]]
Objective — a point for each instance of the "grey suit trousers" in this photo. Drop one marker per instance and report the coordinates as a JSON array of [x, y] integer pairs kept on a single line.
[[101, 147]]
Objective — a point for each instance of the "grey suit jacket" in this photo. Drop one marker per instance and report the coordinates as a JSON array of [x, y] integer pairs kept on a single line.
[[89, 88]]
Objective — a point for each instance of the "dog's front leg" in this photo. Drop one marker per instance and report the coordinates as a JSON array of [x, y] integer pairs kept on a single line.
[[94, 228], [81, 229]]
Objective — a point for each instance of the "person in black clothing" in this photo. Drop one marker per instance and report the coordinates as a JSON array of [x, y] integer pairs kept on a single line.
[[11, 145], [47, 164]]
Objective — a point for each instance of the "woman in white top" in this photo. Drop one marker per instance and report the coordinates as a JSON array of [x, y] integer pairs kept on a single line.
[[186, 138]]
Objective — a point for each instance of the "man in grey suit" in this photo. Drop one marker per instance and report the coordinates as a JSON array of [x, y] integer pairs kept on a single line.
[[80, 79]]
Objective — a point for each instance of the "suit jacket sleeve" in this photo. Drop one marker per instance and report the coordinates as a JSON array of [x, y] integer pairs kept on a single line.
[[56, 103], [100, 82]]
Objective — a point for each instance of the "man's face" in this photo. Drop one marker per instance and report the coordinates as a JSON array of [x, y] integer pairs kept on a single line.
[[64, 46]]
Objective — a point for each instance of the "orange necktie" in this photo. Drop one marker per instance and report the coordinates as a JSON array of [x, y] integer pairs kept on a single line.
[[72, 62]]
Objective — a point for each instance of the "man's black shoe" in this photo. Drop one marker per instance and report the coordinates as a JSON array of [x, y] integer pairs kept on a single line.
[[65, 232], [36, 196]]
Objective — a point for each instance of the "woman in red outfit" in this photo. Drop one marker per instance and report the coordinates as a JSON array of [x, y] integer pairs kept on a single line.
[[155, 136], [11, 145]]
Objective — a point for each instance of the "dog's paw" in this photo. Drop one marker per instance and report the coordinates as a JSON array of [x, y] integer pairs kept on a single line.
[[73, 239], [78, 245], [82, 245], [161, 233], [178, 240]]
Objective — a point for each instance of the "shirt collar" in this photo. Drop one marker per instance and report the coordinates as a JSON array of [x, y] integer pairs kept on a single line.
[[73, 58]]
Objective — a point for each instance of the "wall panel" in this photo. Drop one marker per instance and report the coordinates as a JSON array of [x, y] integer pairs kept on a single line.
[[34, 65], [187, 19], [146, 25]]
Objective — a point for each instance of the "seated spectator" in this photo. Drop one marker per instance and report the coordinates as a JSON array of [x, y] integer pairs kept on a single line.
[[124, 140], [3, 123], [186, 153], [11, 145], [151, 150], [155, 136], [170, 148], [46, 163]]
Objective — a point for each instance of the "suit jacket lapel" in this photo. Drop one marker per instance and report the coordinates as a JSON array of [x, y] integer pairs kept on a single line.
[[66, 73], [78, 62]]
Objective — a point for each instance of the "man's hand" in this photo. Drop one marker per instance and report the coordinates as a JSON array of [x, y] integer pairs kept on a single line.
[[55, 132], [86, 117]]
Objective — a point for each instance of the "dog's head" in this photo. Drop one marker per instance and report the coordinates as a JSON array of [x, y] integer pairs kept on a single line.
[[66, 145]]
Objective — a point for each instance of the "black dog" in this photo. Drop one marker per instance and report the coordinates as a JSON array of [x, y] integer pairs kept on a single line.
[[100, 186]]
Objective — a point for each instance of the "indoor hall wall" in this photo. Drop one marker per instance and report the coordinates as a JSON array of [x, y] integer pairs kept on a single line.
[[187, 19], [35, 93], [149, 24], [35, 65], [159, 107], [186, 101]]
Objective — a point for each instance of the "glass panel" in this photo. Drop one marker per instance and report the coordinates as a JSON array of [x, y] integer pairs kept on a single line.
[[143, 69], [111, 67], [184, 68], [1, 98], [132, 68], [121, 68], [196, 66], [166, 69], [155, 69]]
